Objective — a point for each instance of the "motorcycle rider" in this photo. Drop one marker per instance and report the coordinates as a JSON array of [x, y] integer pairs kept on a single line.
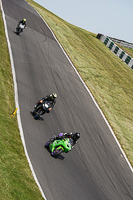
[[51, 98], [23, 22], [74, 136]]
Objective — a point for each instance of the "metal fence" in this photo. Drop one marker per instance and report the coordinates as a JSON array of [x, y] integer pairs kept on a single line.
[[122, 42]]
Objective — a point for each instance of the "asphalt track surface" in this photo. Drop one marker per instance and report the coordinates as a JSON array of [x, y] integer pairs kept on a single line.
[[95, 169]]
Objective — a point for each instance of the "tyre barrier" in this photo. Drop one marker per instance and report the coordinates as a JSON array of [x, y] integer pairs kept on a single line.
[[115, 49]]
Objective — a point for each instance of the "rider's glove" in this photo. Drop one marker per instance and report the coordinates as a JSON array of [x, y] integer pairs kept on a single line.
[[54, 136], [53, 139]]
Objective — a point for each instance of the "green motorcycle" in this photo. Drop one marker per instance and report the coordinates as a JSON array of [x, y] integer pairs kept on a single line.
[[59, 146]]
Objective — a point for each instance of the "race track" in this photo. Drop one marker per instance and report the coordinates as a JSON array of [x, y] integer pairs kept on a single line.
[[95, 169]]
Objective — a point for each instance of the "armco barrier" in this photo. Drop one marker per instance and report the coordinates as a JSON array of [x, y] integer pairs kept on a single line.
[[115, 49], [122, 42]]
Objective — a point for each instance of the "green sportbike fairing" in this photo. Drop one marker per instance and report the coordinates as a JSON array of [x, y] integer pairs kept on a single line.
[[59, 146]]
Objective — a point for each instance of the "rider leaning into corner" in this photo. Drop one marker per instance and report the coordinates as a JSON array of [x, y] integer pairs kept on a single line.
[[74, 136], [23, 22], [51, 98]]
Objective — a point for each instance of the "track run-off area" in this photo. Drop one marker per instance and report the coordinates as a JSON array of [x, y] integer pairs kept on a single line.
[[96, 168]]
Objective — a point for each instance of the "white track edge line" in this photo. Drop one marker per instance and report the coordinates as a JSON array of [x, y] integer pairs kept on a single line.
[[17, 103], [90, 95]]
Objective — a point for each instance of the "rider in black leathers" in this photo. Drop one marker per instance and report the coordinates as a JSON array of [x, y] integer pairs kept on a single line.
[[51, 98], [23, 22]]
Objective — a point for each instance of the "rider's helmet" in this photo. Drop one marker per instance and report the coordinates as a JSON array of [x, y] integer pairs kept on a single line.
[[24, 20], [53, 96], [76, 136]]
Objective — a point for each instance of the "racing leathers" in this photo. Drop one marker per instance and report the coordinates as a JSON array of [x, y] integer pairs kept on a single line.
[[22, 22], [74, 136], [48, 98]]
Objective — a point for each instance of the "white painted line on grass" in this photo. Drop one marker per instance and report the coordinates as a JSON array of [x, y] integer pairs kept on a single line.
[[17, 103]]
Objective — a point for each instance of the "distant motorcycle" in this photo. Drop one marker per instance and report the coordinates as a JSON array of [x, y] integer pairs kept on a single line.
[[19, 28], [41, 109], [56, 147]]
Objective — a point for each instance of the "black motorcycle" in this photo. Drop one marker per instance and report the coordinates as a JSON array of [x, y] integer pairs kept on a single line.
[[20, 28], [41, 109]]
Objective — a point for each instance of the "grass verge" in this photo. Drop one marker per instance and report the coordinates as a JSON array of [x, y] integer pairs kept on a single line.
[[16, 180], [109, 79]]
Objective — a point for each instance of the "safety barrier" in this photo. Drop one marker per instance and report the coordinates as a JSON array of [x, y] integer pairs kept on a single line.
[[122, 42], [114, 48]]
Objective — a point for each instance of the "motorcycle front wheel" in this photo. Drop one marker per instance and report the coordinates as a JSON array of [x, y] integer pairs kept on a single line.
[[56, 152], [38, 113], [18, 30]]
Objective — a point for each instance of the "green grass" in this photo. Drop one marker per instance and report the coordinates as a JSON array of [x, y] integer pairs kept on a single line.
[[16, 180], [109, 79]]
